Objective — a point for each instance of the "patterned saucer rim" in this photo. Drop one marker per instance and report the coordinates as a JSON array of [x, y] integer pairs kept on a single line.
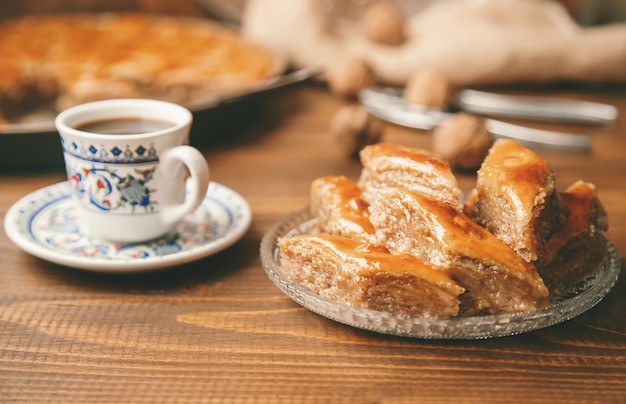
[[222, 203]]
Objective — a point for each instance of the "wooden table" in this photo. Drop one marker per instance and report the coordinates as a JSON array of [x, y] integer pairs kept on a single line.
[[218, 330]]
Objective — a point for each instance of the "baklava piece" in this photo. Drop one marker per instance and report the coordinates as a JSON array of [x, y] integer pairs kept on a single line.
[[336, 203], [422, 171], [516, 199], [497, 280], [580, 246], [368, 276]]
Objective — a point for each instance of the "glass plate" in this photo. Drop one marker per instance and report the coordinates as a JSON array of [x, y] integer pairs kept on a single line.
[[575, 301]]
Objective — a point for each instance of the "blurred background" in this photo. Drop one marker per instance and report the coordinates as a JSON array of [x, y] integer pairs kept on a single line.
[[11, 8], [512, 60], [586, 12]]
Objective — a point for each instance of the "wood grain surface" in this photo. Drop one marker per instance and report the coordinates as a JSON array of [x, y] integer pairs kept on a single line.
[[218, 330]]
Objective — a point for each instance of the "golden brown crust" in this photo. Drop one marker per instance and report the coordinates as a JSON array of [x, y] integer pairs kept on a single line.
[[515, 186], [422, 171], [497, 280], [517, 199], [368, 276], [580, 245], [81, 57], [584, 212], [336, 203]]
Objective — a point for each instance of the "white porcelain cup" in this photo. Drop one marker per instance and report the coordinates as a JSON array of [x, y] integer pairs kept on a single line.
[[131, 183]]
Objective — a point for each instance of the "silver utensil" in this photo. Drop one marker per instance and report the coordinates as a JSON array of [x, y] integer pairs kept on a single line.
[[388, 104], [536, 108]]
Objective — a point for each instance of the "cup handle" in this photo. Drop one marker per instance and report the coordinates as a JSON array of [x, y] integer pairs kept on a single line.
[[170, 163]]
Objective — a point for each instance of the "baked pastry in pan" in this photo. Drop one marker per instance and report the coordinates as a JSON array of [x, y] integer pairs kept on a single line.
[[74, 58]]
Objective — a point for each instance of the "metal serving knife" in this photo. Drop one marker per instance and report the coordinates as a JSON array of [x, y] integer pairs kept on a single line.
[[536, 108], [388, 104]]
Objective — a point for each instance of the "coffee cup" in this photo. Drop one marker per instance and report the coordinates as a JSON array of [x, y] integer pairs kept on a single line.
[[132, 173]]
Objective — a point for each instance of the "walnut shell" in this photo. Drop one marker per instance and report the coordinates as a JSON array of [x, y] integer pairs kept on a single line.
[[353, 128], [348, 77], [428, 88], [382, 22], [463, 141]]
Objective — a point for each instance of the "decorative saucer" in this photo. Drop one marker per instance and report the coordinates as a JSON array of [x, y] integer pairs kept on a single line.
[[45, 224]]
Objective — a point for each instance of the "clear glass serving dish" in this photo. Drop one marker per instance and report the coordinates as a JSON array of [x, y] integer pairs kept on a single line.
[[573, 302]]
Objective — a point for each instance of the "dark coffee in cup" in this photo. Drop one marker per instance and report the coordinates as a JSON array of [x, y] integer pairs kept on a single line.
[[124, 126]]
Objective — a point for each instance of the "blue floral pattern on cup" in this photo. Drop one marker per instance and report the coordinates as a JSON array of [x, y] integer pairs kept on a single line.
[[110, 191], [115, 154], [112, 179]]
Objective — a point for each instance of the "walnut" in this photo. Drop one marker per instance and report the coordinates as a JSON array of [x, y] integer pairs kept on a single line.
[[463, 141], [353, 128], [348, 77], [428, 88], [382, 22]]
